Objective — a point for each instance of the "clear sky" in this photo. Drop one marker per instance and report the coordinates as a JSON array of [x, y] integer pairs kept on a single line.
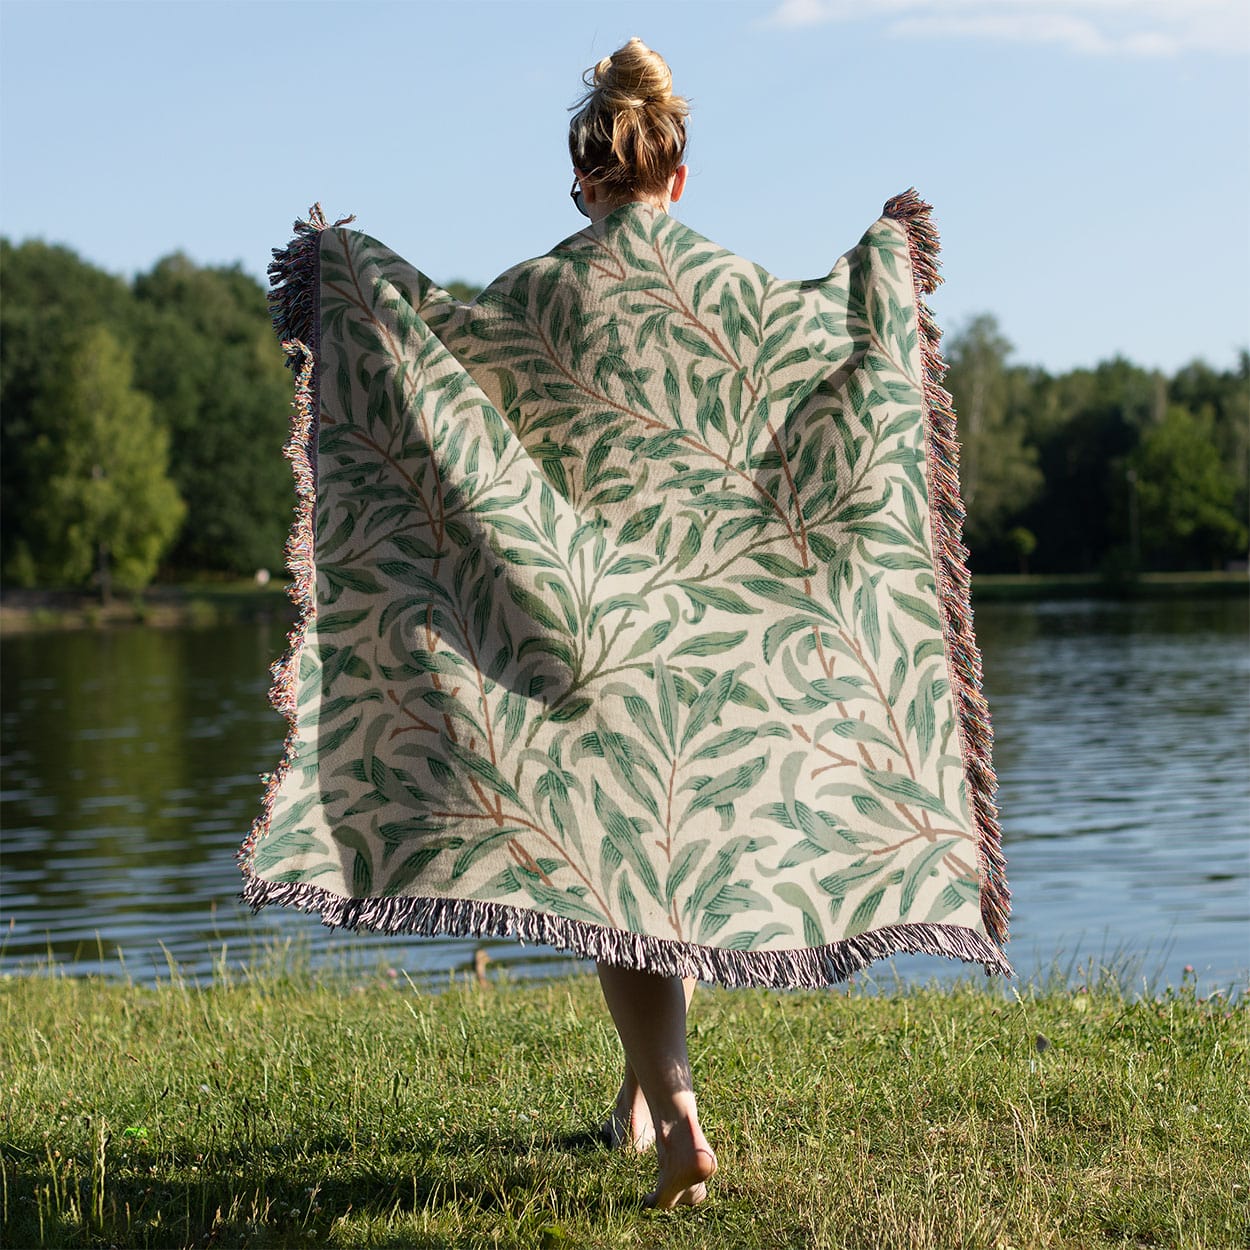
[[1089, 160]]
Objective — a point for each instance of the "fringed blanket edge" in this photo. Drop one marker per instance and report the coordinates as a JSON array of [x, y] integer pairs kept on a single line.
[[954, 581], [294, 306], [804, 968]]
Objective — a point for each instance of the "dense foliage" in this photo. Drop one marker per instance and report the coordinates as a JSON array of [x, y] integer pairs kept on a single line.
[[1114, 469], [1107, 470], [209, 403], [105, 502]]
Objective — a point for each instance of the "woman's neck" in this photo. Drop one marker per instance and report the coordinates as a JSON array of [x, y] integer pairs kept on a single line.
[[602, 208]]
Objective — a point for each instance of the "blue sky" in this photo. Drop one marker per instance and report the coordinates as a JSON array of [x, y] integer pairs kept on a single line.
[[1089, 160]]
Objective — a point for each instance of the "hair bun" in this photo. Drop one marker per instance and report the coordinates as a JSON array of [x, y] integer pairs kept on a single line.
[[633, 77], [629, 131]]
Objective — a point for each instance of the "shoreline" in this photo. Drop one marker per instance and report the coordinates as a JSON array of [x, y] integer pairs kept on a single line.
[[172, 606], [1035, 587], [202, 604]]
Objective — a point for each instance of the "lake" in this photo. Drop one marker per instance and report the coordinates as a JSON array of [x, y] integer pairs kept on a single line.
[[131, 760]]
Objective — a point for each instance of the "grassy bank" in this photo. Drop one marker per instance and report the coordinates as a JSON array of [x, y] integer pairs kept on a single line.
[[291, 1111]]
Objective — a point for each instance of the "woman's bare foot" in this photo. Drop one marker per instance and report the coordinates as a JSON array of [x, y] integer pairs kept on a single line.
[[649, 1012], [629, 1125], [686, 1165]]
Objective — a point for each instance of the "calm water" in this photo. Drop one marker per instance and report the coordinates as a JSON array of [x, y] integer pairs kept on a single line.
[[130, 765]]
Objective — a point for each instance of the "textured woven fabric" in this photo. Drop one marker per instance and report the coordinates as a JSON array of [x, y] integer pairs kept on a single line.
[[634, 614]]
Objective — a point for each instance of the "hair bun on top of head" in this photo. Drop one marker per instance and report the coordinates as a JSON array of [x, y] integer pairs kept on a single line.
[[632, 77], [629, 132]]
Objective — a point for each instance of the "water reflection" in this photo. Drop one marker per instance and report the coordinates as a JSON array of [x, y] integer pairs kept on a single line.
[[131, 759]]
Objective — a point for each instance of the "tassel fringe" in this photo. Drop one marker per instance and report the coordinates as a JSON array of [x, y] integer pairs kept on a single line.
[[294, 283], [808, 968], [294, 303], [976, 736]]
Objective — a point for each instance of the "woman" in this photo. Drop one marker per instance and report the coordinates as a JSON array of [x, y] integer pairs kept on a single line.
[[628, 142], [635, 619]]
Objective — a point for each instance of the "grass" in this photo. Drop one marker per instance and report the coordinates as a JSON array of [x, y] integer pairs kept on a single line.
[[292, 1109]]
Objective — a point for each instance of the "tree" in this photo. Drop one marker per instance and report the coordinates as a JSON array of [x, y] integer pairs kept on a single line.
[[1186, 494], [1223, 398], [1086, 423], [1024, 543], [103, 500], [997, 468], [208, 357], [51, 296]]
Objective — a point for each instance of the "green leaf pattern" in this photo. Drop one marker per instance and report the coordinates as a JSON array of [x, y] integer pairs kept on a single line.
[[626, 604]]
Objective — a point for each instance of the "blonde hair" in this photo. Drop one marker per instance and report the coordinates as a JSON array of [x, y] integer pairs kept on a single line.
[[629, 132]]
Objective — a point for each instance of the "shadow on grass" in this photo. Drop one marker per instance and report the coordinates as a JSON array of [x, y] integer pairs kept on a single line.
[[263, 1197]]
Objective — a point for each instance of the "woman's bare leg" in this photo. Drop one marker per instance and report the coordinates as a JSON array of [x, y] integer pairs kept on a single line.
[[650, 1015], [629, 1125]]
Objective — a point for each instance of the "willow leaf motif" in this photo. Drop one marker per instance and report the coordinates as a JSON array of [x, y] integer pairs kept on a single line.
[[633, 610]]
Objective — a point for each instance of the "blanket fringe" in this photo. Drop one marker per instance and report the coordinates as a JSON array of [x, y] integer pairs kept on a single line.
[[294, 275], [807, 968], [951, 562]]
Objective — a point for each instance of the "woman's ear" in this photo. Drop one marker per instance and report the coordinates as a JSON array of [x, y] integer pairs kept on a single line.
[[678, 185], [588, 186]]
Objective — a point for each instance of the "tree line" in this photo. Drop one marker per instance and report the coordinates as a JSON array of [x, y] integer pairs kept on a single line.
[[143, 420], [1112, 470]]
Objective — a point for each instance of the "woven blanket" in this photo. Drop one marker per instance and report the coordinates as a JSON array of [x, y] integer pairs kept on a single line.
[[634, 618]]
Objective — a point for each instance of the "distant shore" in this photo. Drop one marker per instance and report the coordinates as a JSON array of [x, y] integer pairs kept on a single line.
[[183, 604], [201, 604], [1003, 587]]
